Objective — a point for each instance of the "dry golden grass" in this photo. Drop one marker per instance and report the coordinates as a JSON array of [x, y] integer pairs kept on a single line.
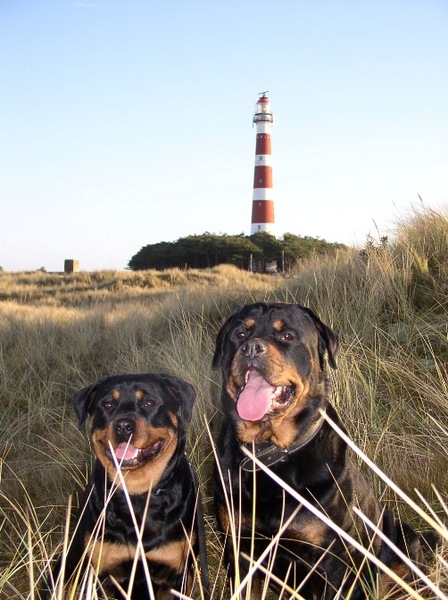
[[58, 334]]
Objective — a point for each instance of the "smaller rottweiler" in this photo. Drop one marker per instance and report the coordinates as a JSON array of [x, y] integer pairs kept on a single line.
[[272, 359], [136, 425]]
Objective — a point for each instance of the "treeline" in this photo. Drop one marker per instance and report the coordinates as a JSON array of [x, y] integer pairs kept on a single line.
[[258, 252]]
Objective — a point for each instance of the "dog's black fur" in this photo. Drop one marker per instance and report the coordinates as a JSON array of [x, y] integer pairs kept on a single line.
[[272, 362], [140, 419]]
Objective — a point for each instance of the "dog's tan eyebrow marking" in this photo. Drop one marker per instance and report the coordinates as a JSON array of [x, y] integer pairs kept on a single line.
[[115, 395], [139, 394], [249, 323], [279, 325]]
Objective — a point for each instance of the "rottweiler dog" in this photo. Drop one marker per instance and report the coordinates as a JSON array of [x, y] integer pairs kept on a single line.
[[142, 497], [272, 358]]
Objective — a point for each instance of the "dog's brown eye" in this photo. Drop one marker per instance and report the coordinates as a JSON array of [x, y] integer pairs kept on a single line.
[[287, 337], [146, 403], [241, 335], [108, 404]]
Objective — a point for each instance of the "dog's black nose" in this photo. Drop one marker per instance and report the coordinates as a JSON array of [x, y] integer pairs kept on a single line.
[[124, 427], [253, 348]]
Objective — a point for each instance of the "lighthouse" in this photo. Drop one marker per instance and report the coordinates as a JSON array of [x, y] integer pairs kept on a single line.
[[263, 199]]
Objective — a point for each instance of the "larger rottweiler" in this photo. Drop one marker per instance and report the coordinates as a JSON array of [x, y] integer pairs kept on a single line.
[[272, 358], [136, 425]]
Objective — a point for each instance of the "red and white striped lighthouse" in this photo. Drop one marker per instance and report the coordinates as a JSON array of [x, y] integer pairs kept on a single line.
[[263, 199]]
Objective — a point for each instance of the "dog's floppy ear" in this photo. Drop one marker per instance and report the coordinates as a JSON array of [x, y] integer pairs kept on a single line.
[[328, 339], [221, 340], [183, 392], [81, 403]]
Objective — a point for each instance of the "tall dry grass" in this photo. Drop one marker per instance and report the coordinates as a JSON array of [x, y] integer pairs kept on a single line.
[[58, 334]]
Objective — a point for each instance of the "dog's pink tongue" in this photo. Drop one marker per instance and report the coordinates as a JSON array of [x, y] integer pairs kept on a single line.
[[125, 452], [255, 399]]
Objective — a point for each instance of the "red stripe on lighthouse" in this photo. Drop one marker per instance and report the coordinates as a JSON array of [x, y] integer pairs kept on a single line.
[[263, 211], [262, 177], [263, 143]]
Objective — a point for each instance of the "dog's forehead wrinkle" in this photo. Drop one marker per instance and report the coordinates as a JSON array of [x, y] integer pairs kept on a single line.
[[126, 406], [264, 318], [276, 325], [132, 391]]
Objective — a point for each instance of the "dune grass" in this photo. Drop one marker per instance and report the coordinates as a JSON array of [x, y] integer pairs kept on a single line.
[[58, 334]]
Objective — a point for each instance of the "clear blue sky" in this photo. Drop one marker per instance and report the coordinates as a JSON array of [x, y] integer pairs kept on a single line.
[[128, 122]]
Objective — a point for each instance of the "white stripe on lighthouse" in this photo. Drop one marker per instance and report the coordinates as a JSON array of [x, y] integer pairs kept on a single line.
[[263, 160], [262, 194]]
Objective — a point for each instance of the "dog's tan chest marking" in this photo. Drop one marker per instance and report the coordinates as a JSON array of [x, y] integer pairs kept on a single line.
[[107, 557], [310, 531]]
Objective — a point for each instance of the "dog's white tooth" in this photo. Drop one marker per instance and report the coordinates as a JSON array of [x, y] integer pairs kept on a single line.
[[277, 392]]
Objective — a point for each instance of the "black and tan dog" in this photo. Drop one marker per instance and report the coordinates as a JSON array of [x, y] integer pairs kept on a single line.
[[136, 422], [272, 361]]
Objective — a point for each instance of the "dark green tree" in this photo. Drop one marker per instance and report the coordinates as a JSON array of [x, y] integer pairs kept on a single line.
[[209, 249]]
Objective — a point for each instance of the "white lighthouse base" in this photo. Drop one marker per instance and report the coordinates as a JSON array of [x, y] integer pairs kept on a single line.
[[259, 227]]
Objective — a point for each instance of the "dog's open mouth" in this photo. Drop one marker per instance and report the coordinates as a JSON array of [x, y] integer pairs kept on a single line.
[[258, 397], [128, 456]]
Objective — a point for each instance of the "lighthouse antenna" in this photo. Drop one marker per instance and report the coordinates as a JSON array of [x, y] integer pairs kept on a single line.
[[261, 94]]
